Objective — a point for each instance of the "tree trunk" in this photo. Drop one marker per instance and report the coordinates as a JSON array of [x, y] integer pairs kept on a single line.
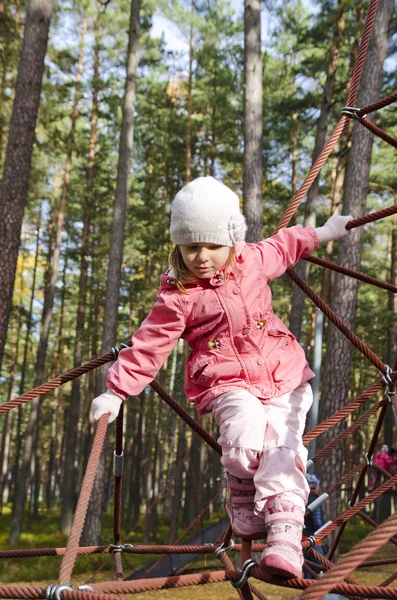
[[337, 368], [178, 484], [389, 422], [188, 166], [16, 172], [94, 521], [298, 296], [69, 474], [34, 418], [252, 175]]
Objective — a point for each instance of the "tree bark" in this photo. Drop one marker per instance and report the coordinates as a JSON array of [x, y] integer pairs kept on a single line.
[[253, 127], [338, 358], [34, 417], [188, 165], [71, 432], [94, 520], [14, 187], [298, 296]]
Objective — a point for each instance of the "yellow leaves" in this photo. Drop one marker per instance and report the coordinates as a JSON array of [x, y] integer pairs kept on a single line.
[[175, 89]]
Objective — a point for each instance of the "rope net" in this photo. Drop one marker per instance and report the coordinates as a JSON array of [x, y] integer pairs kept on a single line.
[[336, 575]]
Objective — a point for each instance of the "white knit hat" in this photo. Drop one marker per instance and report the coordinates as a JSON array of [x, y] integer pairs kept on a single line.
[[205, 210]]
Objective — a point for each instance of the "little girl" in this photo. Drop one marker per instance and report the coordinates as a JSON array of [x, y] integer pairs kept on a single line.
[[245, 366]]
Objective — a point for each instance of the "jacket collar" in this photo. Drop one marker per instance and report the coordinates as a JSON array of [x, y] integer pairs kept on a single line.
[[168, 279]]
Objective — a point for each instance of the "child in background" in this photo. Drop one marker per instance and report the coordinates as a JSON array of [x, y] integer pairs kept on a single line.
[[245, 366], [314, 520], [382, 459]]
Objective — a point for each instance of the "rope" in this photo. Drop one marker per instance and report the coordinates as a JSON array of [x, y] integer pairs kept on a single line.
[[54, 383], [360, 276], [345, 516], [337, 321], [185, 416], [380, 133], [343, 412], [366, 110], [118, 464], [329, 146], [375, 216], [82, 505], [348, 431], [352, 559]]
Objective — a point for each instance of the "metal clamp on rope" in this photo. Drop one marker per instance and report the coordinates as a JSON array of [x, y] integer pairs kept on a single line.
[[115, 350], [245, 569], [85, 588], [116, 548], [53, 591], [320, 529], [223, 548], [352, 112], [386, 376], [317, 502], [309, 464], [118, 464], [368, 460], [128, 547], [312, 541]]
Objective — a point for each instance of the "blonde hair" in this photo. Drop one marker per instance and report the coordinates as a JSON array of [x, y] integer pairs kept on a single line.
[[182, 273]]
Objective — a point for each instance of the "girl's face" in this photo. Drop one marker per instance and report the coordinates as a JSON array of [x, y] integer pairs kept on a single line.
[[204, 259]]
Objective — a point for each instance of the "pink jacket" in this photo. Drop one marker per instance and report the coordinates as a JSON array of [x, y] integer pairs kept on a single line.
[[236, 339]]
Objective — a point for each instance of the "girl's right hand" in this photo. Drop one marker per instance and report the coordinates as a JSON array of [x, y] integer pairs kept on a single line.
[[106, 403]]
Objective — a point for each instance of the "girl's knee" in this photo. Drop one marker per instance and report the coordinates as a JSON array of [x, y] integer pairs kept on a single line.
[[240, 462], [242, 422]]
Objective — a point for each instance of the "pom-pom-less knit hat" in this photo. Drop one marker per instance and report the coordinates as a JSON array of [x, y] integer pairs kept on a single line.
[[205, 210]]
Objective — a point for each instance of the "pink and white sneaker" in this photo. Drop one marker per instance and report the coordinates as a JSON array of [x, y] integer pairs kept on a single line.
[[240, 507], [283, 555]]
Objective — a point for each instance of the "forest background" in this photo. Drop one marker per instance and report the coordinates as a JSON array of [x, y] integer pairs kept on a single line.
[[188, 121]]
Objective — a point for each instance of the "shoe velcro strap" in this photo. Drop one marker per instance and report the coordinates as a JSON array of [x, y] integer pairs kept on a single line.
[[294, 518], [241, 487], [283, 539], [242, 498]]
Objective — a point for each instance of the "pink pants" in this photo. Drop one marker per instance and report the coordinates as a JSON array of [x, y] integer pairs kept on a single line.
[[263, 440]]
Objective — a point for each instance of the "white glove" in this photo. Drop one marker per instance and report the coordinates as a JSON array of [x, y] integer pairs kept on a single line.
[[333, 229], [106, 403]]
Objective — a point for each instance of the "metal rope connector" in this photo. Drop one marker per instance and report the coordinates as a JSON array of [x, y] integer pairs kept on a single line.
[[245, 569], [312, 541], [320, 529], [223, 548], [309, 464], [115, 350], [85, 588], [53, 591], [317, 502], [390, 389], [352, 113], [118, 464], [368, 460], [386, 376], [116, 548]]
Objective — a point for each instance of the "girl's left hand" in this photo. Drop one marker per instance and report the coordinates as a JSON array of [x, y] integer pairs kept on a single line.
[[334, 229]]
